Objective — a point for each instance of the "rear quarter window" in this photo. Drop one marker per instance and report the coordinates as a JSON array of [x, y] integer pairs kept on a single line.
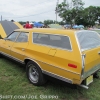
[[57, 41], [88, 40]]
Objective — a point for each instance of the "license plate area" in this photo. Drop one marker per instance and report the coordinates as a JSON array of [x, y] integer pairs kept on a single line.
[[89, 80]]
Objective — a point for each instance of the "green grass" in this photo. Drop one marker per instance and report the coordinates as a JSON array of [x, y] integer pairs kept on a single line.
[[13, 81]]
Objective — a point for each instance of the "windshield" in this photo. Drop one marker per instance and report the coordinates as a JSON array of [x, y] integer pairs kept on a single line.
[[88, 39]]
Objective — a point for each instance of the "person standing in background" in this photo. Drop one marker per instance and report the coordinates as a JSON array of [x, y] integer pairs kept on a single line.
[[27, 25]]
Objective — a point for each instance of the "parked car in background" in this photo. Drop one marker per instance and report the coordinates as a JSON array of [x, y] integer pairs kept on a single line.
[[72, 56]]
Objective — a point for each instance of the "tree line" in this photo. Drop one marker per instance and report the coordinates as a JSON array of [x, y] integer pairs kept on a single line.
[[74, 13], [46, 22]]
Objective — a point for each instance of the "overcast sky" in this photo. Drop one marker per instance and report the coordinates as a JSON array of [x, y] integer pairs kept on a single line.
[[33, 10]]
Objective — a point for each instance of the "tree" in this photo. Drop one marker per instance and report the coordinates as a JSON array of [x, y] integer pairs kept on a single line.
[[22, 22], [70, 11], [98, 14], [89, 16], [61, 23], [40, 22], [46, 22]]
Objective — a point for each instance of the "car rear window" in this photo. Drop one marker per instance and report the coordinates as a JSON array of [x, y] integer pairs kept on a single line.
[[88, 40], [58, 41]]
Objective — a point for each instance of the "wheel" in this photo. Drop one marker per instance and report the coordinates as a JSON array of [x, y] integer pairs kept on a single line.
[[34, 74]]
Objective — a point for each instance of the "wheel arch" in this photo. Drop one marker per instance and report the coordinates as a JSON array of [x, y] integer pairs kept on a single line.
[[34, 61]]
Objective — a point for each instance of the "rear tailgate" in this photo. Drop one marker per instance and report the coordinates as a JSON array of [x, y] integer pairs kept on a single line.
[[89, 43], [92, 61]]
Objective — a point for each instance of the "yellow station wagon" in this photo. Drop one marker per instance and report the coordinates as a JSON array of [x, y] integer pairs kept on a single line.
[[69, 55]]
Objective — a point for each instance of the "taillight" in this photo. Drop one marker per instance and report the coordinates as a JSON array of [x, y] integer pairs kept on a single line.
[[72, 65]]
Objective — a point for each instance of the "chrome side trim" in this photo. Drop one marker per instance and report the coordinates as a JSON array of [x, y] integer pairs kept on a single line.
[[53, 65], [58, 77], [78, 43], [83, 64], [18, 60], [91, 71], [34, 61], [53, 46], [82, 56]]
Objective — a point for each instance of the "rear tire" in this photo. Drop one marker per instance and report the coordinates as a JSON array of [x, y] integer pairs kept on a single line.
[[34, 74], [0, 55]]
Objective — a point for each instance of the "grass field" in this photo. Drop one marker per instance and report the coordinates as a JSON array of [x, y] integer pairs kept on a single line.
[[14, 85]]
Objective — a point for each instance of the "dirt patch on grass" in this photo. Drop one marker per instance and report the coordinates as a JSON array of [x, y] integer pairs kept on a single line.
[[81, 98], [5, 78]]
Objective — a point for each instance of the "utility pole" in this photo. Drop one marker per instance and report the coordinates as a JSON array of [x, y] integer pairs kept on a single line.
[[56, 9], [64, 1], [1, 17]]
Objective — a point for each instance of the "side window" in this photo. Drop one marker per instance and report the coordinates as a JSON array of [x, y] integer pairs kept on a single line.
[[57, 41], [60, 41], [41, 38], [23, 37], [13, 36]]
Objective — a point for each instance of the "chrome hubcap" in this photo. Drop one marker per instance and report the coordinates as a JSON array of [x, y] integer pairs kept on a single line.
[[33, 73]]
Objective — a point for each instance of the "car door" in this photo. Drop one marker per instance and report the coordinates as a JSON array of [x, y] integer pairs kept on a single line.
[[18, 49], [7, 43]]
